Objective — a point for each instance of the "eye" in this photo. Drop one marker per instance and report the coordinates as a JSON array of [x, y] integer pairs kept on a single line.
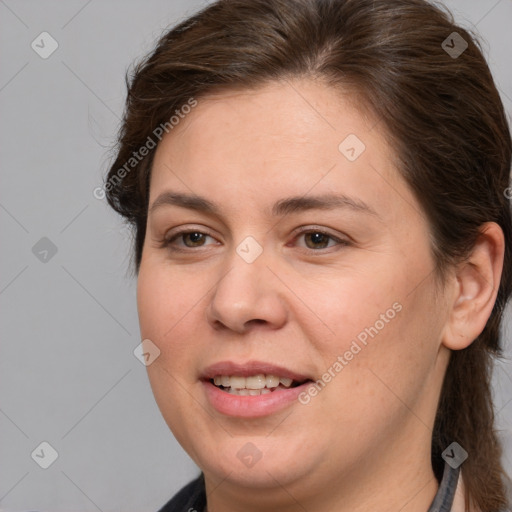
[[196, 239], [316, 239]]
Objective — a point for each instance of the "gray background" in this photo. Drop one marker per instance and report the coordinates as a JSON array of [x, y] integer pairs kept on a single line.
[[68, 375]]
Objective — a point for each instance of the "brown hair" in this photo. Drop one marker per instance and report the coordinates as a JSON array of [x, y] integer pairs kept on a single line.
[[441, 112]]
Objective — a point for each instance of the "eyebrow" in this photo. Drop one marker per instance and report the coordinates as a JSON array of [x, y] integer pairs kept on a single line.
[[282, 207]]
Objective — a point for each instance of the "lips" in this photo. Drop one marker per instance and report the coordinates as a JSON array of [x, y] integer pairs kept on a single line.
[[252, 389]]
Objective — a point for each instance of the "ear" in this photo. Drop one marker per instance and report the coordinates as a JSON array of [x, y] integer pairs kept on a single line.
[[475, 286]]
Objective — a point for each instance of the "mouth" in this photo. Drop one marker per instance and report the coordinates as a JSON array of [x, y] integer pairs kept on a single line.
[[252, 389], [254, 385]]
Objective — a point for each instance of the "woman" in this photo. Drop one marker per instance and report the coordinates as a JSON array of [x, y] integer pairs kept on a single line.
[[323, 250]]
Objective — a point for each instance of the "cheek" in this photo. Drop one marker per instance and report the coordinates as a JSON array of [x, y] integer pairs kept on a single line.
[[380, 326], [151, 305], [168, 313], [165, 300], [387, 355], [168, 309], [351, 304]]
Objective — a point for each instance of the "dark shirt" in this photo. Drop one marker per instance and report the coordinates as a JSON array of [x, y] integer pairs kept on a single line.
[[192, 498]]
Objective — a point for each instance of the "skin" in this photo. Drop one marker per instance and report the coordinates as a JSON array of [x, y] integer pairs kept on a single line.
[[302, 302]]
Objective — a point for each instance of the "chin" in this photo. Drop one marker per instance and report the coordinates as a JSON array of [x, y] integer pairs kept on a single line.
[[259, 476], [256, 462]]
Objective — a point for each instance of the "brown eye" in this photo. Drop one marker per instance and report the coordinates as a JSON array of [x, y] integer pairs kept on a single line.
[[317, 240], [184, 240], [196, 238]]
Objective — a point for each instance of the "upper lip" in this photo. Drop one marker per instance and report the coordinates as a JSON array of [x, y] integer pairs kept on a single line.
[[249, 368]]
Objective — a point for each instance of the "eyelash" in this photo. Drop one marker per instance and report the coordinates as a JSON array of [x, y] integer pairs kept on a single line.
[[167, 243]]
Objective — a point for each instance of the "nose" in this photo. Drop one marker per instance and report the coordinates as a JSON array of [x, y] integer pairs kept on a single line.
[[247, 295]]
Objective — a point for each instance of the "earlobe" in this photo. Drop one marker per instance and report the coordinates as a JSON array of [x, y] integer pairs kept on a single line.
[[475, 287]]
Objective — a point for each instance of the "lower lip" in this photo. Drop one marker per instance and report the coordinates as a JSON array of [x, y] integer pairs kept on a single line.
[[252, 406]]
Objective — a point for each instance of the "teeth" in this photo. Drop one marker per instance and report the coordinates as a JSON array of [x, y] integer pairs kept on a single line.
[[286, 382], [255, 382], [272, 381], [236, 382], [253, 385]]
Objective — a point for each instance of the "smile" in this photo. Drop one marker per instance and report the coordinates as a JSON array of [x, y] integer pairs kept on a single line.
[[253, 385], [252, 389]]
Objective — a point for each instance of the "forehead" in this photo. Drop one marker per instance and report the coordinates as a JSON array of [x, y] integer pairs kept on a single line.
[[296, 117], [285, 137]]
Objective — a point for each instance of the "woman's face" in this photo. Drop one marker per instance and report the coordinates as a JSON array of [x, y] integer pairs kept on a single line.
[[306, 257]]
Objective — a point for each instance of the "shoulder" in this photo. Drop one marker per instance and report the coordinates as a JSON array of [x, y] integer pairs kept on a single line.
[[191, 498]]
